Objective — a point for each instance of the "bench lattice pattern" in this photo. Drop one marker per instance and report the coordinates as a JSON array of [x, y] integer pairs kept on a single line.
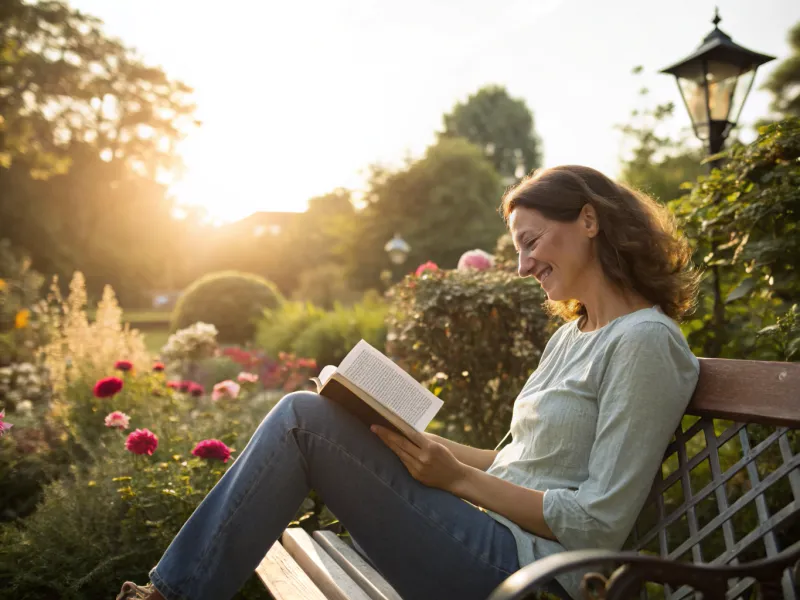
[[728, 493]]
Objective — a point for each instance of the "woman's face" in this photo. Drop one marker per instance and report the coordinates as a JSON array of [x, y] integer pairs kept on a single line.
[[557, 254]]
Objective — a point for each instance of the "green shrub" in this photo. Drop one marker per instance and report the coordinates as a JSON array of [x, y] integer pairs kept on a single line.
[[230, 300], [744, 223], [329, 339], [473, 338], [326, 336], [279, 328], [115, 514]]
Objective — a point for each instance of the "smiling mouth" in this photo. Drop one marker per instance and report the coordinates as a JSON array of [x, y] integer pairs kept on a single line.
[[543, 274]]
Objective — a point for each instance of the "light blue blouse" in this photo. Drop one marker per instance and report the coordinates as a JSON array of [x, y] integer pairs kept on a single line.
[[590, 427]]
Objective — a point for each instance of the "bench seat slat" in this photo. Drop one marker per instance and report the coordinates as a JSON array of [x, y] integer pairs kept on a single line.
[[320, 567], [284, 578], [354, 565]]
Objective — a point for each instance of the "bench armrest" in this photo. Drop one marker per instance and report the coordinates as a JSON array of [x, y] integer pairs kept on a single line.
[[631, 570]]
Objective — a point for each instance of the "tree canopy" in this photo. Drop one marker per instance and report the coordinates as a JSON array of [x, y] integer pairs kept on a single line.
[[501, 126]]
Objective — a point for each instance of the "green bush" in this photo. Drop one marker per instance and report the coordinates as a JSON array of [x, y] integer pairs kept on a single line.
[[115, 514], [473, 338], [329, 339], [279, 328], [744, 223], [326, 336], [230, 300]]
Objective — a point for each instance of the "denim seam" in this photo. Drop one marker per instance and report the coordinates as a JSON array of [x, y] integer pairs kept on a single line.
[[163, 587], [432, 520], [202, 560]]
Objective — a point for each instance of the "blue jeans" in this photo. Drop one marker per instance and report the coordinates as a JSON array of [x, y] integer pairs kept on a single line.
[[428, 543]]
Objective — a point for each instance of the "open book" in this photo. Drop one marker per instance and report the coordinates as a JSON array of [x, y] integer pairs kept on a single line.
[[377, 391]]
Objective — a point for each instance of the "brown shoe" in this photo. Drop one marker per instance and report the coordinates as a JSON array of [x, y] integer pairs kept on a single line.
[[131, 591]]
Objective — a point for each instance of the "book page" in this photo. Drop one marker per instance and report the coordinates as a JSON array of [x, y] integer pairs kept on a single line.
[[377, 375]]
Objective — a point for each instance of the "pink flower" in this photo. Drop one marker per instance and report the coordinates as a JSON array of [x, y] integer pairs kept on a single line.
[[477, 260], [123, 365], [212, 449], [117, 419], [107, 387], [426, 266], [4, 426], [158, 367], [245, 377], [225, 388], [142, 441], [174, 385], [183, 386], [195, 389]]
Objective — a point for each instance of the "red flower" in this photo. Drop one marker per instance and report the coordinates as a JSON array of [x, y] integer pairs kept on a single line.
[[212, 449], [427, 266], [158, 367], [123, 365], [307, 363], [142, 441], [107, 387], [195, 389], [183, 386], [174, 385]]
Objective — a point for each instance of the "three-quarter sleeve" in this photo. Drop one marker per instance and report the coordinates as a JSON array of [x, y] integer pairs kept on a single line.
[[645, 388]]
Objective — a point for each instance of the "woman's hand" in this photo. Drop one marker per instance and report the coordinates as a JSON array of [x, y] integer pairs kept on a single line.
[[429, 462]]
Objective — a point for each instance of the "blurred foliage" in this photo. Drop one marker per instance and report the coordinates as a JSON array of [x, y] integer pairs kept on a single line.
[[21, 330], [66, 83], [473, 337], [442, 205], [743, 221], [80, 108], [229, 300], [784, 80], [325, 285], [324, 335], [654, 162], [501, 126]]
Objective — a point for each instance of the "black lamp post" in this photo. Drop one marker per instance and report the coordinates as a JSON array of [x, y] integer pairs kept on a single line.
[[714, 82]]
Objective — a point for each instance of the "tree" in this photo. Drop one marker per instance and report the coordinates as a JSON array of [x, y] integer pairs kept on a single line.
[[501, 126], [80, 108], [784, 81], [442, 204], [64, 82]]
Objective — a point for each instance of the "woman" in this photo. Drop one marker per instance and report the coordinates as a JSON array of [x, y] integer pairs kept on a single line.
[[589, 428]]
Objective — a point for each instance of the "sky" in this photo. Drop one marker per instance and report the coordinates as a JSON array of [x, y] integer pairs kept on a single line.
[[300, 97]]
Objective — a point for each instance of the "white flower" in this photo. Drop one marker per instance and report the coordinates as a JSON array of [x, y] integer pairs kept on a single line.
[[25, 407]]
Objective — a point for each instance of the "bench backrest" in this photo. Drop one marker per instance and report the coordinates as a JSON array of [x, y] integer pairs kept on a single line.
[[729, 487]]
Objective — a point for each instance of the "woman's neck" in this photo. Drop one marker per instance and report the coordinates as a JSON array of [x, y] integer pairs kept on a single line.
[[604, 303]]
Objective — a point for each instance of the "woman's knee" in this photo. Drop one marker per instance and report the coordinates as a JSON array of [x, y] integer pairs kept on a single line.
[[308, 407]]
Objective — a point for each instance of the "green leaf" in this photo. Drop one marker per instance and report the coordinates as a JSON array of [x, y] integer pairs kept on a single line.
[[741, 290]]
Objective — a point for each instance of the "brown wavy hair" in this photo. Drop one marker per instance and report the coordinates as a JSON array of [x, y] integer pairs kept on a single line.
[[638, 245]]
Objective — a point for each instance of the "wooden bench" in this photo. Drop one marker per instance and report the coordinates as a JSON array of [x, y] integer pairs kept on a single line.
[[723, 517]]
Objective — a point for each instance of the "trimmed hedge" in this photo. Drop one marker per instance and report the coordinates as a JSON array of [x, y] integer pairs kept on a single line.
[[473, 338], [230, 300]]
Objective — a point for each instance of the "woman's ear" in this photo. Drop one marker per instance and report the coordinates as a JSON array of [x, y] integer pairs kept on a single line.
[[588, 221]]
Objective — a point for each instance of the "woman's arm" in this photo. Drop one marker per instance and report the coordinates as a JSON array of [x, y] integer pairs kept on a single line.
[[472, 457], [523, 506], [435, 464]]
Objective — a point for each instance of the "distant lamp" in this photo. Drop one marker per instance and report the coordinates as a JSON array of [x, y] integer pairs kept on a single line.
[[714, 82], [397, 249]]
